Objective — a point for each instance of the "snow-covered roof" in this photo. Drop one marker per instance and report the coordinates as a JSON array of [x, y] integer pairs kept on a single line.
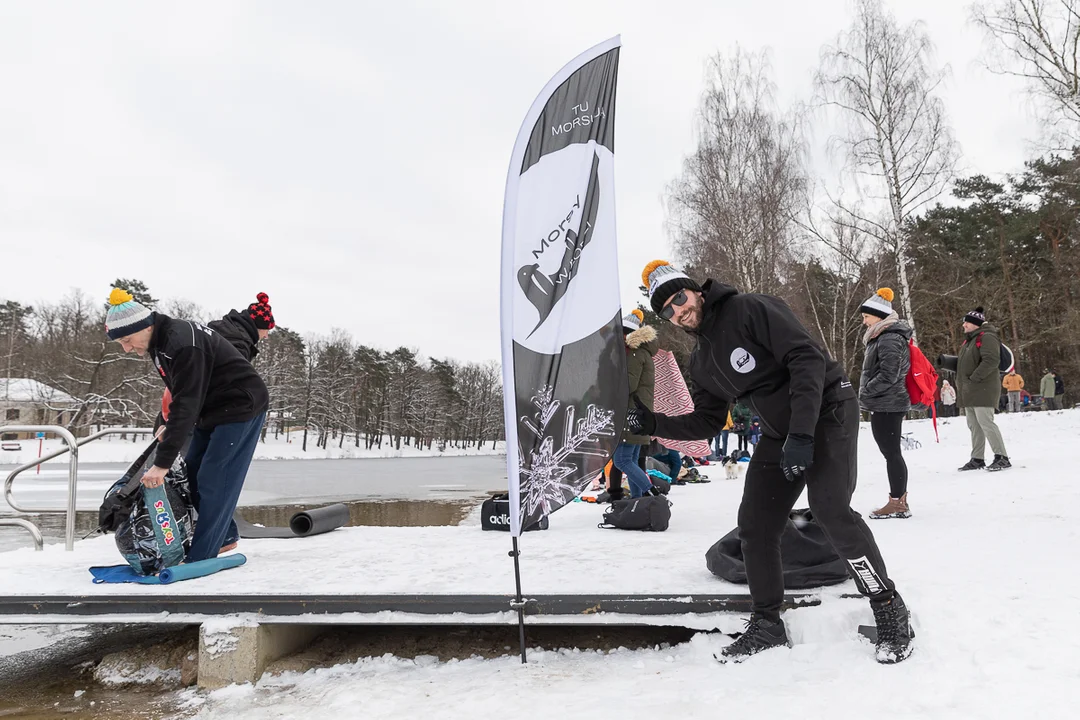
[[25, 390]]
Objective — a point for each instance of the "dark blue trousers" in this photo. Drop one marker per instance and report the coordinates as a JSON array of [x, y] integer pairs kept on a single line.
[[673, 460], [218, 461]]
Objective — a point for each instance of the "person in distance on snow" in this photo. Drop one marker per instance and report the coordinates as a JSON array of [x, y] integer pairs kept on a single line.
[[883, 392], [977, 390], [753, 349], [216, 392]]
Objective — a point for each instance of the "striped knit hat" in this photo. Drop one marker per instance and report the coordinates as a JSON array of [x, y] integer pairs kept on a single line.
[[976, 316], [662, 281], [632, 320], [879, 304], [125, 316]]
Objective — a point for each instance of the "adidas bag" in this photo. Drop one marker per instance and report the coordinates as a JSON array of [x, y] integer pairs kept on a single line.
[[651, 512], [495, 515]]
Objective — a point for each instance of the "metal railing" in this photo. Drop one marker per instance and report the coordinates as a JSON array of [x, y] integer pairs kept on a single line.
[[39, 542], [73, 446]]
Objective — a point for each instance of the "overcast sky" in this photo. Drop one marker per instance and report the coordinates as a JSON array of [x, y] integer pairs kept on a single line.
[[349, 158]]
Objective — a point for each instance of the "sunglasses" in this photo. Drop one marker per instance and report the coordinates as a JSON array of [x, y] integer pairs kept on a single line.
[[669, 309]]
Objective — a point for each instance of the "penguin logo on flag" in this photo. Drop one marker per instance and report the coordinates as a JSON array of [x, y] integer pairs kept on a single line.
[[543, 290]]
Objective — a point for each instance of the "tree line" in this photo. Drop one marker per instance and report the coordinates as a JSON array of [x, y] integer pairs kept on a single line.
[[323, 390], [749, 207]]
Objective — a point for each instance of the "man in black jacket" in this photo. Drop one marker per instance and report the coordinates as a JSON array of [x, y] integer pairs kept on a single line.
[[244, 329], [753, 349], [216, 393]]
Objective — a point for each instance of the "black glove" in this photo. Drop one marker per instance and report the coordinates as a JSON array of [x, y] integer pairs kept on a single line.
[[640, 420], [798, 455]]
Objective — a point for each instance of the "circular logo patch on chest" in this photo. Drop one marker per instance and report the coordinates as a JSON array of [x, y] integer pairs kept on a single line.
[[742, 360]]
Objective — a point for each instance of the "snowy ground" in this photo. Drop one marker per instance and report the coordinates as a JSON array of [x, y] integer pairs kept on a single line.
[[987, 565], [113, 450]]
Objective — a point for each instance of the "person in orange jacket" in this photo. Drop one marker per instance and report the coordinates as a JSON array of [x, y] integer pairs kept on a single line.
[[1013, 384]]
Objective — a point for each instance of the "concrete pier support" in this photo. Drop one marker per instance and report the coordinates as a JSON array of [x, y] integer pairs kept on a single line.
[[238, 651]]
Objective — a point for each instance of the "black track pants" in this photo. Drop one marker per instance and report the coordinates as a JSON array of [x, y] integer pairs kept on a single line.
[[768, 498]]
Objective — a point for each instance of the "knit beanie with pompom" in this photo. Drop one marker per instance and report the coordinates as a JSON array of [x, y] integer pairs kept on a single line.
[[633, 320], [879, 304], [662, 281], [125, 316], [260, 313]]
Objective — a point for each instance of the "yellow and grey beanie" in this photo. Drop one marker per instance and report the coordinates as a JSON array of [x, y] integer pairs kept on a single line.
[[632, 320], [125, 316], [662, 281]]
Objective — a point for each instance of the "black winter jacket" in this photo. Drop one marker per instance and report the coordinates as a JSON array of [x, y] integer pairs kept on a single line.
[[210, 382], [239, 329], [753, 349], [883, 385]]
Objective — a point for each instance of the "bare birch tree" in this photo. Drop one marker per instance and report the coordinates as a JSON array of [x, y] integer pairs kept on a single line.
[[1039, 41], [881, 78], [731, 211], [834, 281]]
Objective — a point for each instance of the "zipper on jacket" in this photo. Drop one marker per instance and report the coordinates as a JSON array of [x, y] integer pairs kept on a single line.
[[732, 392]]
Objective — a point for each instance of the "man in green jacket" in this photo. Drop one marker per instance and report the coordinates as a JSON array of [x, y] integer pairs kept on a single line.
[[978, 389], [1046, 389]]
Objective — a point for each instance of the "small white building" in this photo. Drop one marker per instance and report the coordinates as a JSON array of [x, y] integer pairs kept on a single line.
[[28, 402]]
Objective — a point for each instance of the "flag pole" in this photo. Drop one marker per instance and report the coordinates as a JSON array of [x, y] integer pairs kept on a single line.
[[519, 602]]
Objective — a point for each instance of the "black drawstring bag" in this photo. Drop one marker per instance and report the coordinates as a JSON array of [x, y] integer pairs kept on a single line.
[[808, 557]]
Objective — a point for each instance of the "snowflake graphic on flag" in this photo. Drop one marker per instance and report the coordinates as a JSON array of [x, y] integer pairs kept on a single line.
[[546, 482]]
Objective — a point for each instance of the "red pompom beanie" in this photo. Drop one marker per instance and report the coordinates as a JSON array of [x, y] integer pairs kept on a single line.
[[260, 312]]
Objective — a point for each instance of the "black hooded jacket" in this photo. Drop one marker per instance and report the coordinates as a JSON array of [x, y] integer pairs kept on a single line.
[[753, 349], [239, 329], [210, 382]]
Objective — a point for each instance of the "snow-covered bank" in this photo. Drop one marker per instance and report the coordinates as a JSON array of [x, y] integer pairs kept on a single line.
[[985, 563], [114, 450]]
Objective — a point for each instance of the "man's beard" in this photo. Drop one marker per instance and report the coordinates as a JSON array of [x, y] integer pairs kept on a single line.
[[691, 319]]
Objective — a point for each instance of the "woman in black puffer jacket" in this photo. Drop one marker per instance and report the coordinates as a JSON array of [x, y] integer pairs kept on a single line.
[[883, 392]]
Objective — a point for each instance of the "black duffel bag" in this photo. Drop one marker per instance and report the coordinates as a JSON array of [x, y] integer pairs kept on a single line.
[[809, 560], [495, 515], [651, 512]]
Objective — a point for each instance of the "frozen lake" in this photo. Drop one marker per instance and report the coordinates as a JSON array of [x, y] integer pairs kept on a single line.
[[277, 482]]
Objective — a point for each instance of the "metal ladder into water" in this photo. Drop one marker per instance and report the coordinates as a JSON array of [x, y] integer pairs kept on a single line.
[[72, 446]]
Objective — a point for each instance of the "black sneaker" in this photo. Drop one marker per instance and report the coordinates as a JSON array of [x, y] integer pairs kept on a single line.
[[974, 464], [894, 633], [760, 634], [1000, 463]]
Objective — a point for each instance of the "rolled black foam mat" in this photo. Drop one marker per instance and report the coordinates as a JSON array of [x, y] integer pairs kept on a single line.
[[319, 520], [302, 524]]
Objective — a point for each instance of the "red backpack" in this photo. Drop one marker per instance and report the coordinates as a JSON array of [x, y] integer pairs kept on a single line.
[[921, 382]]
